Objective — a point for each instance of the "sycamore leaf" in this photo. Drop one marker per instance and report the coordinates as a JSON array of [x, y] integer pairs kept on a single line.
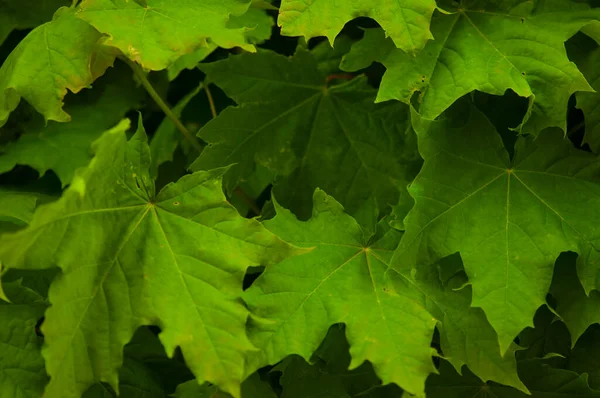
[[256, 20], [487, 50], [289, 121], [130, 257], [157, 34], [16, 207], [405, 21], [341, 280], [542, 380], [57, 56], [252, 387], [64, 147], [508, 218], [22, 372], [26, 14]]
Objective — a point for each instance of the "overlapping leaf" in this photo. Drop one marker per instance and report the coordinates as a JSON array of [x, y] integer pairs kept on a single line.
[[508, 218], [312, 135], [489, 48], [55, 57], [252, 387], [588, 61], [64, 147], [405, 21], [158, 32], [130, 257], [20, 14], [341, 280]]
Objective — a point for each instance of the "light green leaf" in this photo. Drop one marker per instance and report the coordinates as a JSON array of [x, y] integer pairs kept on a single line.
[[64, 147], [508, 218], [156, 35], [541, 379], [16, 207], [130, 257], [291, 122], [26, 14], [55, 57], [22, 372], [341, 280], [487, 50], [405, 21]]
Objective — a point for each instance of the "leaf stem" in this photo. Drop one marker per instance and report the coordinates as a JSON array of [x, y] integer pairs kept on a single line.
[[211, 101], [137, 70]]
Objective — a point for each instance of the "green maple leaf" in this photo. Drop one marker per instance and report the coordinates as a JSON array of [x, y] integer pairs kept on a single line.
[[19, 14], [55, 57], [21, 364], [508, 218], [341, 280], [542, 380], [287, 121], [64, 147], [405, 21], [157, 34], [486, 49], [130, 257]]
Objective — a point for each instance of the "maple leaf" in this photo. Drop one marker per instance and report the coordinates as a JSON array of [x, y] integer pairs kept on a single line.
[[14, 14], [405, 21], [64, 147], [287, 121], [55, 57], [508, 218], [485, 49], [21, 364], [130, 257], [341, 280], [157, 34]]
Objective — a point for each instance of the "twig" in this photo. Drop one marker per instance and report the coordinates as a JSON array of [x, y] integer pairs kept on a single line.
[[211, 101], [162, 104], [341, 76]]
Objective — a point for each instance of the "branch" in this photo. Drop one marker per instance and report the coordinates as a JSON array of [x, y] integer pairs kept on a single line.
[[137, 70]]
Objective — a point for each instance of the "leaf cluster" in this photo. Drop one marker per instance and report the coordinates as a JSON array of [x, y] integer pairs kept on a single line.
[[292, 199]]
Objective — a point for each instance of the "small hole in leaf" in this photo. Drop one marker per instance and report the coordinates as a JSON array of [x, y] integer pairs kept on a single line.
[[522, 20], [175, 203], [423, 79], [523, 73]]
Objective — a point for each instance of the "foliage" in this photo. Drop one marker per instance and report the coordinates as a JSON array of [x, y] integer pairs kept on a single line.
[[250, 198]]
